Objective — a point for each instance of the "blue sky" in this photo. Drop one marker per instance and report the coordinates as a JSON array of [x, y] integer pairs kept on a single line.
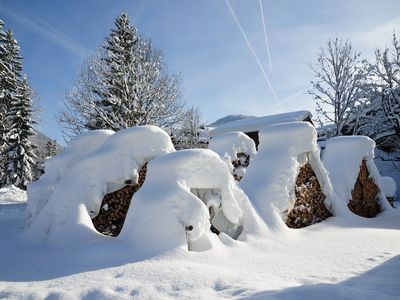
[[201, 40]]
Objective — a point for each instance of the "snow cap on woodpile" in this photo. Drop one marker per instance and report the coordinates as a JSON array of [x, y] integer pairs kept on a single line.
[[228, 145], [39, 192], [166, 213], [270, 179], [77, 197], [342, 158]]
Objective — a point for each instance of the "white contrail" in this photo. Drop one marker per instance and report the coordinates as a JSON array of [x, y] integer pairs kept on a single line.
[[254, 53], [47, 31], [265, 34]]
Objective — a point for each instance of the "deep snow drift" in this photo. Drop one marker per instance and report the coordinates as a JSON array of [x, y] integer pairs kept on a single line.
[[270, 179]]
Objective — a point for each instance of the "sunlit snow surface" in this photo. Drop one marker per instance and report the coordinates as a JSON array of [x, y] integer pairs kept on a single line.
[[340, 258]]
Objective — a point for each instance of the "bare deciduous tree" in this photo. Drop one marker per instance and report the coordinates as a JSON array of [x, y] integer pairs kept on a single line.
[[387, 70], [340, 79]]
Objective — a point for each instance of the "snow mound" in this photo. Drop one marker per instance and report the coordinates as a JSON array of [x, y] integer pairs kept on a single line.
[[12, 194], [229, 145], [39, 192], [342, 158], [270, 179], [182, 192], [389, 186], [78, 194]]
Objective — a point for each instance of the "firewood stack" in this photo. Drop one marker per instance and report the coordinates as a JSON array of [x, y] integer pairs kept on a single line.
[[364, 200], [114, 206], [240, 164], [309, 207]]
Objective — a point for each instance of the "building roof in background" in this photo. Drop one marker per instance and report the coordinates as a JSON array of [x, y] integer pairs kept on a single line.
[[255, 124]]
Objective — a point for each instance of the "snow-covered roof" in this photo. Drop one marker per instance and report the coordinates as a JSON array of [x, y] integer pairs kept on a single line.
[[255, 124]]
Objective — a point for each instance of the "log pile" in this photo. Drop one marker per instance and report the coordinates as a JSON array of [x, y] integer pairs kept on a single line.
[[114, 206], [309, 207], [364, 200], [240, 164]]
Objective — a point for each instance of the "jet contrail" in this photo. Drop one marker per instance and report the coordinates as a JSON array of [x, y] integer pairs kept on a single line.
[[265, 34], [47, 31], [254, 53]]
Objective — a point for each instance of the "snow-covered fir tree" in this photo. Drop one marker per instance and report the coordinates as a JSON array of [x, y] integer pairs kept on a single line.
[[50, 149], [124, 85], [5, 73], [11, 68], [17, 100], [20, 151]]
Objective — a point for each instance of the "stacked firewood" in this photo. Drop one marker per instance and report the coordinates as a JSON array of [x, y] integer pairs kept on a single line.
[[309, 207], [240, 164], [114, 206], [364, 200]]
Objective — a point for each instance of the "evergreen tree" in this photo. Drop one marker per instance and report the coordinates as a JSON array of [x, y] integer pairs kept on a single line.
[[50, 149], [4, 73], [10, 70], [20, 155], [126, 84]]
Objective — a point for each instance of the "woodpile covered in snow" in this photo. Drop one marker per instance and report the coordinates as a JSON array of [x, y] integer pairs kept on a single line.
[[115, 205], [287, 181], [309, 207], [355, 177], [364, 201], [188, 195], [240, 164], [236, 149]]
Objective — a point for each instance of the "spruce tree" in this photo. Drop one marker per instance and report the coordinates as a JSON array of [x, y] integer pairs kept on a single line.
[[125, 84], [122, 57], [4, 73], [10, 71], [20, 155], [50, 149]]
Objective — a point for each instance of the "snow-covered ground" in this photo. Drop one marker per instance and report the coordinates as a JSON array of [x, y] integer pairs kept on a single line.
[[12, 194], [334, 259]]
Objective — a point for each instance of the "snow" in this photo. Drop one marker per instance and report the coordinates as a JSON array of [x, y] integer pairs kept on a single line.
[[333, 259], [228, 145], [77, 196], [342, 158], [257, 123], [166, 205], [40, 191], [388, 186], [388, 165], [270, 179], [12, 194], [158, 256]]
